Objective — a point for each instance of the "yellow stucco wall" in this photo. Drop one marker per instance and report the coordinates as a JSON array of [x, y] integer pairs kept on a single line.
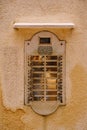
[[13, 114]]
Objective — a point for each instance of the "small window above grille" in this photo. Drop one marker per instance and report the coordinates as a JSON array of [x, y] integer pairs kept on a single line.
[[45, 40]]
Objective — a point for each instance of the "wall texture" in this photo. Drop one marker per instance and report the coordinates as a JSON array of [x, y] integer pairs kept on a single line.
[[13, 114]]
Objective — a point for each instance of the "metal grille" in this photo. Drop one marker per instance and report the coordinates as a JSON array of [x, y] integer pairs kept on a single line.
[[45, 72], [44, 78]]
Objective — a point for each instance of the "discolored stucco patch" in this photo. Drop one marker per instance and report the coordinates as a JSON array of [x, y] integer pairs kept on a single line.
[[21, 119], [78, 104], [79, 83], [10, 120]]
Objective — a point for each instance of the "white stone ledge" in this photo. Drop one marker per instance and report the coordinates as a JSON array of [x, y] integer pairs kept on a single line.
[[43, 25]]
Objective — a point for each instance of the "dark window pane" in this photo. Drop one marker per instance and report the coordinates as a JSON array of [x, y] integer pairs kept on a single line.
[[38, 86], [35, 81], [40, 58], [45, 40], [38, 69], [51, 98], [38, 93], [51, 63], [51, 57], [37, 63], [37, 75], [51, 69], [51, 93], [38, 98]]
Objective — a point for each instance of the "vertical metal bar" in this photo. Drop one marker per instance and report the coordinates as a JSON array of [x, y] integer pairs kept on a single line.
[[45, 78]]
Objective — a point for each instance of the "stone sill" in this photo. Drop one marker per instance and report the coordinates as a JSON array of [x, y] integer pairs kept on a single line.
[[44, 25]]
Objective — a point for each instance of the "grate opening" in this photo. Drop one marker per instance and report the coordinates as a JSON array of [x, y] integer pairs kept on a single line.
[[44, 78]]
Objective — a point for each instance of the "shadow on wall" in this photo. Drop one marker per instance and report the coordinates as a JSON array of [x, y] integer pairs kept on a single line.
[[72, 116], [78, 105]]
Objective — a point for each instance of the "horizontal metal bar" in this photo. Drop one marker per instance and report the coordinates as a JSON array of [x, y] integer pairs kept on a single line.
[[43, 66], [46, 60], [43, 90], [39, 78], [46, 95], [43, 83]]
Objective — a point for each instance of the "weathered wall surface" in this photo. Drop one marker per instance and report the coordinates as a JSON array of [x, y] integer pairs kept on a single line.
[[13, 114]]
